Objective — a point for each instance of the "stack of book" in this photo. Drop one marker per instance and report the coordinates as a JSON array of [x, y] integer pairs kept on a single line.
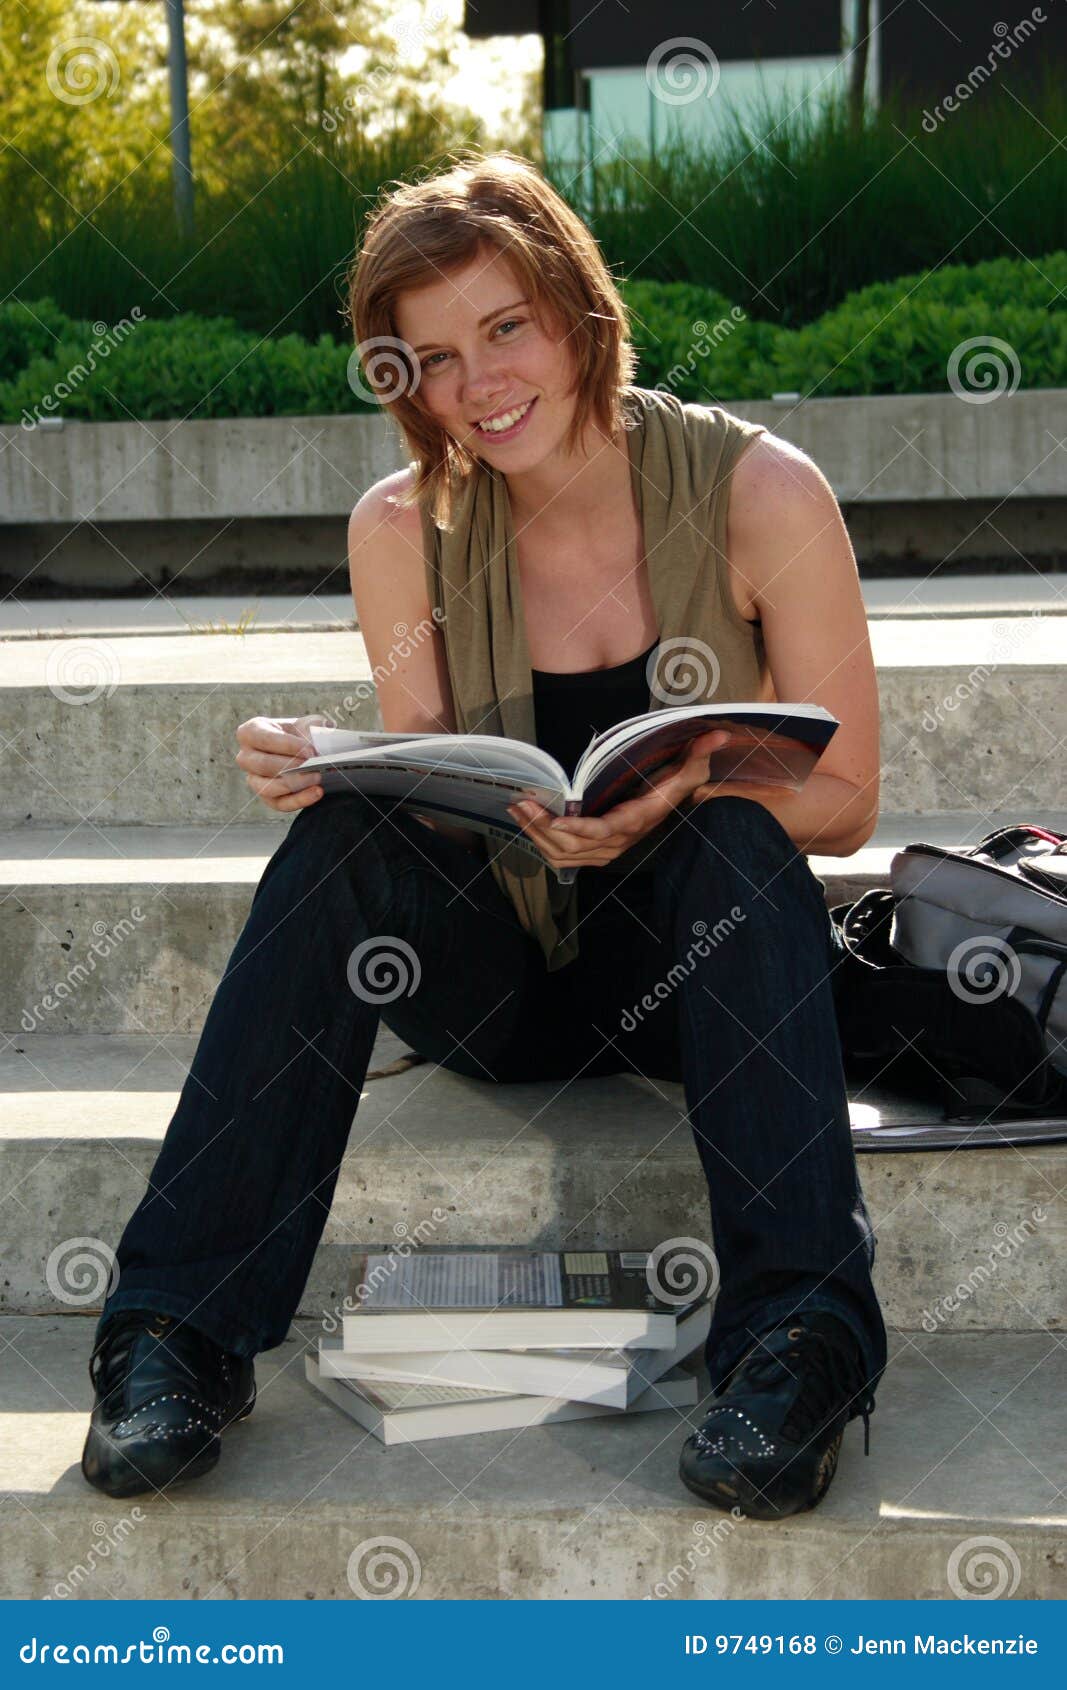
[[440, 1343]]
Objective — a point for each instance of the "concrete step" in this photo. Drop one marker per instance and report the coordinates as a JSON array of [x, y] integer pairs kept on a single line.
[[164, 906], [966, 1445], [599, 1163], [221, 613], [948, 593], [140, 729]]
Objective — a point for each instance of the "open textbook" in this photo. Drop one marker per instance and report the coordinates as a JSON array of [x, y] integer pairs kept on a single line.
[[470, 779]]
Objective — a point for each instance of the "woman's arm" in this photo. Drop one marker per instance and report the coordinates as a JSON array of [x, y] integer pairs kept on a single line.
[[788, 544], [404, 643]]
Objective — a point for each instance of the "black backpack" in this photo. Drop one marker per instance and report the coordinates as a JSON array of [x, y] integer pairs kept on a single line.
[[907, 1026]]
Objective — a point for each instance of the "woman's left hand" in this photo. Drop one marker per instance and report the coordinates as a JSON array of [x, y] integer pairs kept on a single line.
[[592, 841]]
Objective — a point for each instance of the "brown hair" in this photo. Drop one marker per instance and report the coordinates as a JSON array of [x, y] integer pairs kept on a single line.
[[423, 230]]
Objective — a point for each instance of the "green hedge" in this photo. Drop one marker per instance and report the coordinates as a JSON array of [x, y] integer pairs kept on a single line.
[[164, 367], [891, 337]]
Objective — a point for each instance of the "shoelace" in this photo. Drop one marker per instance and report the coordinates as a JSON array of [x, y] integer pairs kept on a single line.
[[827, 1372], [109, 1363]]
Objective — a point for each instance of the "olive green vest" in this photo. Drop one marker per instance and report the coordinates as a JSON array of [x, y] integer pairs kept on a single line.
[[681, 456]]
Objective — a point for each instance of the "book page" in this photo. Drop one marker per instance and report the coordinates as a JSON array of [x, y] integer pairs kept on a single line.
[[770, 745]]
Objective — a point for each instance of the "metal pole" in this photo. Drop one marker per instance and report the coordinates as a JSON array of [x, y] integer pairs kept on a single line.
[[179, 116]]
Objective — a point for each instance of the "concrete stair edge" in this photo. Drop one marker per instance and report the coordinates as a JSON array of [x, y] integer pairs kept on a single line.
[[576, 1509]]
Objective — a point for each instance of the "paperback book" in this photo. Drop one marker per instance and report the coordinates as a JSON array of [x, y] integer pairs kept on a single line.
[[470, 779], [486, 1298], [399, 1413], [612, 1378]]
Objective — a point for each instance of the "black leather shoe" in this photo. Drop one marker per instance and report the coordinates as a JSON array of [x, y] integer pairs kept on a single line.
[[164, 1392], [770, 1443]]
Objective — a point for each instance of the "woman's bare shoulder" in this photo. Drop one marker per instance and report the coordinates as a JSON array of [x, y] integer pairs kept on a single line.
[[381, 515], [773, 468]]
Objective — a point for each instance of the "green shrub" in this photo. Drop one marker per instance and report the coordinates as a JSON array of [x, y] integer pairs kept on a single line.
[[28, 332], [891, 337], [184, 367]]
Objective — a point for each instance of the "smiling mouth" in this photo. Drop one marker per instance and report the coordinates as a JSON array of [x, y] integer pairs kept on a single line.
[[509, 423]]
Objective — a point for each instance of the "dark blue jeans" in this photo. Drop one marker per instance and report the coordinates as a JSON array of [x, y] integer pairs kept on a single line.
[[714, 968]]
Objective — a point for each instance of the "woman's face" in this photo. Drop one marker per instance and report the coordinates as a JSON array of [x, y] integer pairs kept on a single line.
[[482, 354]]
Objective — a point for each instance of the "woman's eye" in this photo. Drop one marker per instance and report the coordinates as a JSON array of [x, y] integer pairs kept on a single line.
[[509, 322]]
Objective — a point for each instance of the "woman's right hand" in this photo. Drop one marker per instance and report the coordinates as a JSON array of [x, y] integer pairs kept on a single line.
[[270, 744]]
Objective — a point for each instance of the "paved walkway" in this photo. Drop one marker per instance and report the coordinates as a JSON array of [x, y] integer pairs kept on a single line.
[[910, 596]]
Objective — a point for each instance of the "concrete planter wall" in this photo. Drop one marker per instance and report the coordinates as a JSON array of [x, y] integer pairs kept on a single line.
[[877, 451]]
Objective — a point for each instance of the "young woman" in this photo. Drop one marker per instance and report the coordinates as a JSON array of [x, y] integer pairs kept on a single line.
[[564, 550]]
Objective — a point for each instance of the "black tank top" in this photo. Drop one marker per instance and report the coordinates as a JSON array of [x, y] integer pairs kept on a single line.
[[570, 708]]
